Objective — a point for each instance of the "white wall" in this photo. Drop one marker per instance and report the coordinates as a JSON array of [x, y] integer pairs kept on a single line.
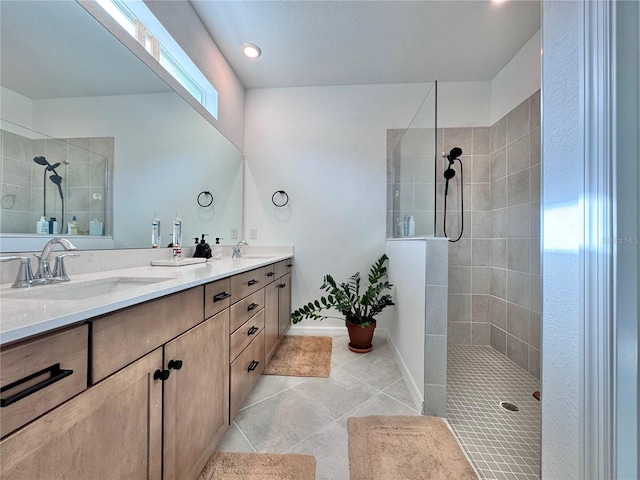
[[15, 108], [326, 147], [562, 316], [165, 155], [518, 80], [184, 25], [464, 104]]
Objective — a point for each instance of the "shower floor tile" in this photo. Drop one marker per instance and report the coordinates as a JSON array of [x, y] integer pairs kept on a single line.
[[501, 444]]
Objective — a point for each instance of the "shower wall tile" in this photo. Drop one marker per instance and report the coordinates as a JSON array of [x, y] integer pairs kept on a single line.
[[518, 121], [435, 400], [498, 164], [534, 228], [534, 329], [459, 279], [518, 322], [534, 293], [481, 280], [518, 352], [78, 199], [534, 255], [518, 288], [518, 188], [518, 221], [481, 252], [435, 357], [499, 252], [534, 110], [481, 333], [458, 137], [460, 253], [16, 147], [534, 362], [534, 183], [498, 312], [16, 172], [534, 147], [499, 339], [459, 333], [499, 223], [499, 194], [459, 308], [481, 308], [498, 134], [498, 282], [481, 169], [518, 254], [436, 304], [103, 146], [481, 224], [481, 196], [481, 141], [518, 155]]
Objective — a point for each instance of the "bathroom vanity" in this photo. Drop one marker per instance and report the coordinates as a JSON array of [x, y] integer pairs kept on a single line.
[[142, 382]]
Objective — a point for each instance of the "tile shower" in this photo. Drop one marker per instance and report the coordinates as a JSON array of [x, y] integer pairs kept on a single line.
[[86, 170]]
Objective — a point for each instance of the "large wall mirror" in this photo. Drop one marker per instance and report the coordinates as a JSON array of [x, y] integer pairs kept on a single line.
[[88, 130]]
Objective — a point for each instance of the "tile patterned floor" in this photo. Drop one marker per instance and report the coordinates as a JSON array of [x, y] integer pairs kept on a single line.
[[309, 415], [501, 444]]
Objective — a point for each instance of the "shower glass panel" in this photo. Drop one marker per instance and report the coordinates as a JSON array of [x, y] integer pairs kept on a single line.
[[411, 187], [54, 177]]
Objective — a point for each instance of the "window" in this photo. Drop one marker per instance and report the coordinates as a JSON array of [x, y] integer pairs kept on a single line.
[[140, 23]]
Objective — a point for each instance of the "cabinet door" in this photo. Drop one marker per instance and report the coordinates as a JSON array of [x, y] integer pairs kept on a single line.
[[284, 304], [196, 396], [112, 430], [271, 318]]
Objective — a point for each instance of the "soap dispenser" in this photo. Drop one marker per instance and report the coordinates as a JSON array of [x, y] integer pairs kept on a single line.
[[203, 250], [217, 249]]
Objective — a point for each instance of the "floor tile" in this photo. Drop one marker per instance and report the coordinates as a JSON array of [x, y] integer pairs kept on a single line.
[[235, 441], [381, 404], [280, 422], [267, 386], [400, 392], [375, 370], [330, 448]]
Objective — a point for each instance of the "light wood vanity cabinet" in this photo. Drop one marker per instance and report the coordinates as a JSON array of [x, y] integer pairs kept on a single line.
[[277, 308], [164, 379]]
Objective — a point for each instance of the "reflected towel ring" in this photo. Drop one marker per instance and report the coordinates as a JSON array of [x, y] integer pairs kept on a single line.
[[286, 198], [203, 201]]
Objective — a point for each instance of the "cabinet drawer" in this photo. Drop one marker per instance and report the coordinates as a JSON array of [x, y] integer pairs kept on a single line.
[[270, 273], [56, 363], [216, 297], [245, 372], [245, 309], [246, 333], [282, 268], [122, 337], [246, 283]]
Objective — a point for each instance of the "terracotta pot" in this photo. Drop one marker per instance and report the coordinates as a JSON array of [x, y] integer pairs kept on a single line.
[[360, 337]]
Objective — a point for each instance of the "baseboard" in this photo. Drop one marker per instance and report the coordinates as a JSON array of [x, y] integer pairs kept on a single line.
[[314, 330], [418, 400]]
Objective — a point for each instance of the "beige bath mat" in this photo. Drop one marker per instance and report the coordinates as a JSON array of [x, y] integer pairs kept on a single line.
[[407, 448], [259, 466], [301, 356]]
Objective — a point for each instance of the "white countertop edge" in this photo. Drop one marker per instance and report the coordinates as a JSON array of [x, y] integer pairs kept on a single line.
[[37, 316]]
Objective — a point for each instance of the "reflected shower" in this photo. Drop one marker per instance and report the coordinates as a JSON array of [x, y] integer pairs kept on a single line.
[[448, 174], [57, 180]]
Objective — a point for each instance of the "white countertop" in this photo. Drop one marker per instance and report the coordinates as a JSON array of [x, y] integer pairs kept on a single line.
[[24, 317]]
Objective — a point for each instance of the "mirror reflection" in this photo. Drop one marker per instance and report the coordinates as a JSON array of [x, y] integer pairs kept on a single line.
[[113, 145]]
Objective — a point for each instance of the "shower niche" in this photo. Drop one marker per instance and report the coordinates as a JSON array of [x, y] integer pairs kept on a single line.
[[54, 177], [411, 180]]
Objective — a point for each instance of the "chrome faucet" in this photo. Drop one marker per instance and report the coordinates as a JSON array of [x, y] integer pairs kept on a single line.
[[236, 250], [44, 268]]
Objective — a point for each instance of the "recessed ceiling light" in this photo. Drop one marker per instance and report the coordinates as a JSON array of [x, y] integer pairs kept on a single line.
[[251, 50]]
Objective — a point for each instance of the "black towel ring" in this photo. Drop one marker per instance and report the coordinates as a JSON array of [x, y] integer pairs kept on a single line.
[[280, 192], [202, 202]]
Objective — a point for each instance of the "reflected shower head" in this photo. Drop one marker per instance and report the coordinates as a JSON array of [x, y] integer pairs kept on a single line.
[[41, 161], [57, 179], [53, 167], [454, 153]]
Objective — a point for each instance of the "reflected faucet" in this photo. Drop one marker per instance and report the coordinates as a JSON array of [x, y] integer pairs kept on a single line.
[[43, 274], [236, 250]]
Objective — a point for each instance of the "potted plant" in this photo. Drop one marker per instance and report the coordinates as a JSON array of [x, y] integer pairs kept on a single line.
[[359, 310]]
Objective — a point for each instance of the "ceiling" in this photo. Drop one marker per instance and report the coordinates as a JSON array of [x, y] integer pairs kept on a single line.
[[311, 43]]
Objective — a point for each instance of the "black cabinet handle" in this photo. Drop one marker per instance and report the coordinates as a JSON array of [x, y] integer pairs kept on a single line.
[[270, 274], [252, 330], [174, 364], [56, 374], [282, 285], [252, 366], [252, 282], [161, 375], [253, 306], [221, 296], [289, 265]]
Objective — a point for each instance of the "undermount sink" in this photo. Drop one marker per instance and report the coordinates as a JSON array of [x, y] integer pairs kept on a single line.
[[257, 256], [83, 290]]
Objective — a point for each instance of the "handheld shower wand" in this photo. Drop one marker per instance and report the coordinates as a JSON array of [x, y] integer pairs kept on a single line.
[[56, 179], [449, 173]]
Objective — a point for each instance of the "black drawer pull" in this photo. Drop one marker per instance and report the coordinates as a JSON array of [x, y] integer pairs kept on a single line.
[[56, 374], [289, 265], [282, 285], [161, 375], [252, 330], [252, 366], [252, 282], [253, 306], [221, 296], [270, 274], [174, 364]]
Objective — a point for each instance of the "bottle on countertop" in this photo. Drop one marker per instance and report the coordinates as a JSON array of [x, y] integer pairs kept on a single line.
[[176, 252], [217, 249], [412, 226], [42, 226], [53, 226], [155, 232], [72, 226]]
